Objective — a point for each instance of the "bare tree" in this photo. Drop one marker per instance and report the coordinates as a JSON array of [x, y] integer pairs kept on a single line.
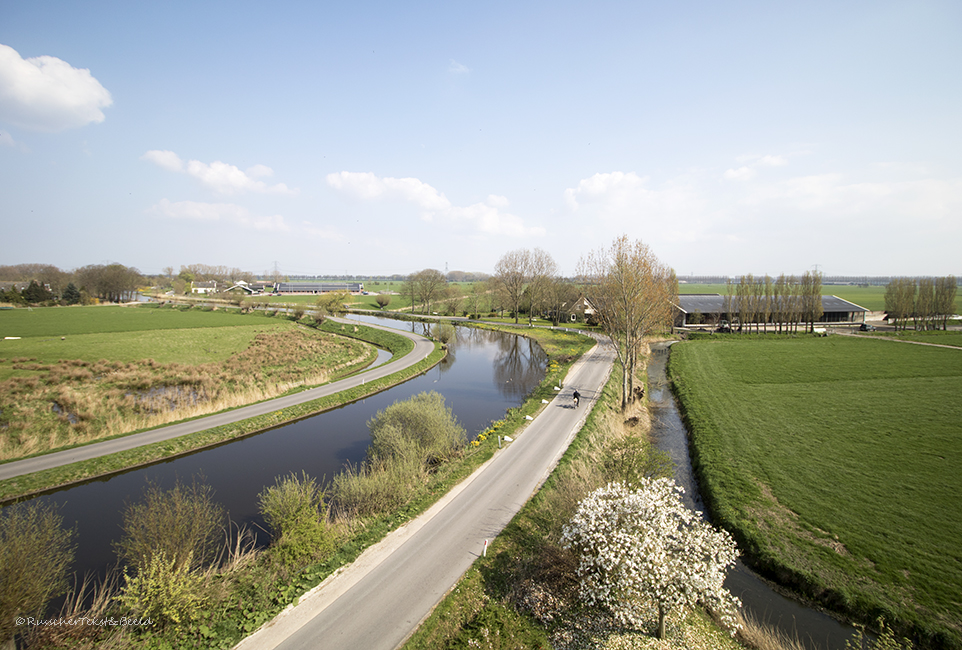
[[543, 271], [945, 290], [812, 298], [924, 312], [511, 275], [900, 300], [633, 293], [427, 286]]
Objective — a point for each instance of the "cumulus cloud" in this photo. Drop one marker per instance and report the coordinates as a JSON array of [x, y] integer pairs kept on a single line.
[[228, 214], [488, 217], [47, 94], [219, 176]]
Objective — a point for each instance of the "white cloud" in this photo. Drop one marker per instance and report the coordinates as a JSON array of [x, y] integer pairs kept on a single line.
[[47, 94], [740, 174], [219, 176], [487, 218], [166, 159], [228, 213], [6, 139], [620, 195], [457, 68], [773, 161]]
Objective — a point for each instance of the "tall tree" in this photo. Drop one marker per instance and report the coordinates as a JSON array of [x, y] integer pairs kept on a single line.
[[812, 298], [945, 291], [924, 304], [511, 275], [428, 285], [900, 300], [542, 270], [633, 294]]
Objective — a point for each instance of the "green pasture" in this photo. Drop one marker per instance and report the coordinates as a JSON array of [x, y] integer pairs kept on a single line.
[[872, 298], [66, 321], [187, 346], [126, 334], [835, 461]]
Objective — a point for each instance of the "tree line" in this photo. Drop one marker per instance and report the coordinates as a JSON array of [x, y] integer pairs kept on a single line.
[[46, 284], [929, 302], [628, 292], [786, 302]]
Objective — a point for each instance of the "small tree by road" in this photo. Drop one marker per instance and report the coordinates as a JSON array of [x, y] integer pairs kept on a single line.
[[642, 548]]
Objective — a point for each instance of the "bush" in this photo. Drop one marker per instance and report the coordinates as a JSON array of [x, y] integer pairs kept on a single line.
[[443, 332], [165, 590], [35, 552], [182, 523], [294, 508], [422, 427], [366, 490]]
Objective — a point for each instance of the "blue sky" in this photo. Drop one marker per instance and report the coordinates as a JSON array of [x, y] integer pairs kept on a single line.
[[380, 138]]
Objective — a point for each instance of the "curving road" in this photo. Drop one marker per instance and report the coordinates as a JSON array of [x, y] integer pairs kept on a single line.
[[379, 600], [422, 348]]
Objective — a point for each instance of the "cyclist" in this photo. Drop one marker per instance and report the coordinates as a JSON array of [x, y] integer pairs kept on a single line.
[[577, 398]]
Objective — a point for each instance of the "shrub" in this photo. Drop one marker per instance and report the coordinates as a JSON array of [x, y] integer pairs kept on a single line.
[[35, 552], [164, 589], [369, 490], [443, 332], [182, 523], [422, 426], [294, 508]]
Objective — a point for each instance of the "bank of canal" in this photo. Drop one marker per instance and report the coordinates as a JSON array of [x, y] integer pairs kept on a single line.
[[815, 629]]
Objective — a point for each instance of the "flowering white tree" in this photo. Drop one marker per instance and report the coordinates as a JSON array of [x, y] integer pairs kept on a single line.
[[642, 547]]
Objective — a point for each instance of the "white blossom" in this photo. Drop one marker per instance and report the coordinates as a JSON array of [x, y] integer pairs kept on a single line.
[[641, 548]]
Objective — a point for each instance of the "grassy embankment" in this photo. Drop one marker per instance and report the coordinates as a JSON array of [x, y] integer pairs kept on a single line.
[[523, 594], [834, 461], [126, 327]]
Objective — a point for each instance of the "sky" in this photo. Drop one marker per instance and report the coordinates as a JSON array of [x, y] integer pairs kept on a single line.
[[378, 138]]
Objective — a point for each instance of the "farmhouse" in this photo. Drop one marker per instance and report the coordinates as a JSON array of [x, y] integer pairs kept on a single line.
[[318, 287], [711, 309], [205, 287]]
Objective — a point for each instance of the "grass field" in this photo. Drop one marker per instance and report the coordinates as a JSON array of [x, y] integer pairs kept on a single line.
[[836, 461], [113, 370], [872, 298]]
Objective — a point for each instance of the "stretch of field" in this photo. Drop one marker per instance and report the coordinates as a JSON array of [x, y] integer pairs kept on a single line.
[[872, 297], [77, 374], [835, 461]]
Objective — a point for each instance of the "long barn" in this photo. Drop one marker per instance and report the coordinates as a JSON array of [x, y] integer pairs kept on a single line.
[[318, 287], [704, 308]]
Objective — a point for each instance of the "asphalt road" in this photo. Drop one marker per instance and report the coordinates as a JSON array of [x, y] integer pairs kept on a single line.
[[422, 348], [379, 600]]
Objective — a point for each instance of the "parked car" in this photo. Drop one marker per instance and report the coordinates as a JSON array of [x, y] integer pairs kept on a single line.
[[865, 327]]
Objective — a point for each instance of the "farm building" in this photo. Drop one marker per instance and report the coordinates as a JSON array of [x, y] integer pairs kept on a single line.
[[318, 287], [207, 286], [708, 309]]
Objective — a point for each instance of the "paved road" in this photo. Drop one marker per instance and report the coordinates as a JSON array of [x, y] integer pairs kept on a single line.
[[422, 348], [378, 601]]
